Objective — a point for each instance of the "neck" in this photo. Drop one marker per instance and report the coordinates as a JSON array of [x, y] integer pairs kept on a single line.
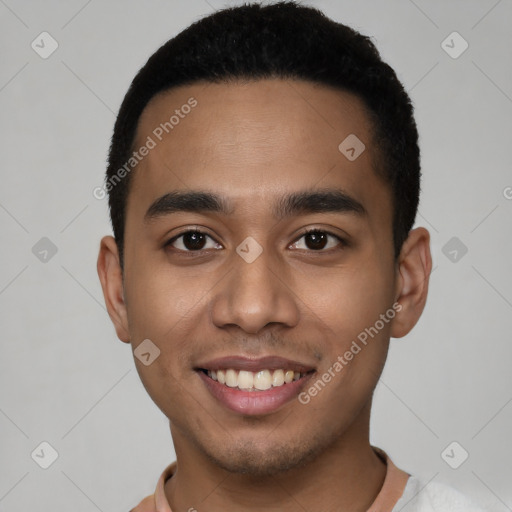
[[346, 476]]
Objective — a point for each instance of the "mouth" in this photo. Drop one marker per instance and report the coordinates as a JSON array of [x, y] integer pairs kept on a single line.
[[245, 380], [254, 387]]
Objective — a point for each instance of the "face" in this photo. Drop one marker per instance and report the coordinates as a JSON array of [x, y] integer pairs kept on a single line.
[[221, 274]]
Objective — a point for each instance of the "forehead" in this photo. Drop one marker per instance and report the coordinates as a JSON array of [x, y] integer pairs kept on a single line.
[[254, 142]]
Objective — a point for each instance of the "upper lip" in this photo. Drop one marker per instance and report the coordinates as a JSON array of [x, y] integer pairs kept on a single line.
[[255, 364]]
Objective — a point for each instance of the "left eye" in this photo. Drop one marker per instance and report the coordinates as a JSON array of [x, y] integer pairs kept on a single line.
[[316, 240]]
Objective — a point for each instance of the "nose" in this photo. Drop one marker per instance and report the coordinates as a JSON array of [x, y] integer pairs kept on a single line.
[[255, 294]]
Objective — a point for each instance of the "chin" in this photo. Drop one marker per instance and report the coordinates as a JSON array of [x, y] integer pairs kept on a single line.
[[251, 458]]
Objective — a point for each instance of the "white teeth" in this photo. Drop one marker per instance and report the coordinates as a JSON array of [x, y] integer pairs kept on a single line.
[[231, 378], [278, 378], [288, 376], [263, 380], [254, 381], [245, 379]]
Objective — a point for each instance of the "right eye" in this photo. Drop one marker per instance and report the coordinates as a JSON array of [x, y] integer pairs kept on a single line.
[[193, 240]]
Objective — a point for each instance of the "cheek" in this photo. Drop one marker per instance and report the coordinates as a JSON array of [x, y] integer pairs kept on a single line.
[[164, 310], [164, 386], [350, 301], [359, 337], [161, 300]]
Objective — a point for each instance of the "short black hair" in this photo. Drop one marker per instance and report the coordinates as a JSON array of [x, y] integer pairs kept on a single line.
[[281, 40]]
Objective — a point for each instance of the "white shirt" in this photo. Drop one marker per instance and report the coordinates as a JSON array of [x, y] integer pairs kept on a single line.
[[421, 496]]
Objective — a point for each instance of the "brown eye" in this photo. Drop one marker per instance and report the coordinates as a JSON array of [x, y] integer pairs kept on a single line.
[[317, 240], [191, 241]]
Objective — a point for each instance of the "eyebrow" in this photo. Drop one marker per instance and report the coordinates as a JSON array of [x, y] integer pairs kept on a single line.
[[296, 203]]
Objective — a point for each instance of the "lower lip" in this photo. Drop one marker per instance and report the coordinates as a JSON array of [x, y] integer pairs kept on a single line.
[[254, 402]]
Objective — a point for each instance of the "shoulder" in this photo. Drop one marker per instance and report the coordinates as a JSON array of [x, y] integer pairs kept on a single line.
[[157, 502], [146, 505], [423, 496]]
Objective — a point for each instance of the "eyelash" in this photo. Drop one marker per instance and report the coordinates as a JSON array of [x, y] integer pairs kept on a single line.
[[343, 242]]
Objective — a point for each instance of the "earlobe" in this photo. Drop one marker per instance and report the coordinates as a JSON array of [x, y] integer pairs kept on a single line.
[[111, 278], [414, 268]]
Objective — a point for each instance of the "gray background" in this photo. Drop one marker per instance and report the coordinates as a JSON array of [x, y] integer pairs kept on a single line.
[[67, 380]]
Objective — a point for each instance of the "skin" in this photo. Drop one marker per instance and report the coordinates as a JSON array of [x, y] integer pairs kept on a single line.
[[254, 142]]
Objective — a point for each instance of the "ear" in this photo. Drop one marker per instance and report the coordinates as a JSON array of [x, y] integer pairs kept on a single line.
[[111, 278], [414, 267]]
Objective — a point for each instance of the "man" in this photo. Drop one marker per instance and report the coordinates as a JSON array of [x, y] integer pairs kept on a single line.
[[263, 182]]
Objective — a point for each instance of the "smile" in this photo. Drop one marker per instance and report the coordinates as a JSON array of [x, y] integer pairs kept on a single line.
[[254, 381], [254, 386]]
